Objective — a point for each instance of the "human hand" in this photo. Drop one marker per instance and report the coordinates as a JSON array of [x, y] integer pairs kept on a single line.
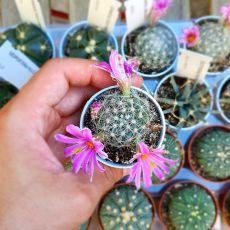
[[36, 192]]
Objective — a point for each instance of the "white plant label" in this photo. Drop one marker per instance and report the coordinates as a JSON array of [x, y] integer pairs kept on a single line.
[[103, 13], [15, 67], [136, 13], [193, 65], [30, 11]]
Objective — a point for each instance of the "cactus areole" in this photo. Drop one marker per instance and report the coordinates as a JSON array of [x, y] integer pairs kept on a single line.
[[30, 40]]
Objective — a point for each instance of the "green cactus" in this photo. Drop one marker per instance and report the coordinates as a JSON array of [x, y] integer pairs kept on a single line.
[[188, 206], [210, 154], [155, 47], [184, 102], [31, 40], [225, 99], [227, 208], [7, 92], [126, 208], [174, 151], [89, 43], [214, 41], [124, 121], [84, 226]]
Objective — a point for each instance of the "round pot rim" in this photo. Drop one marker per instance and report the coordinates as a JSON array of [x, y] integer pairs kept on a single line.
[[146, 193], [219, 90], [165, 24], [223, 206], [182, 151], [205, 117], [11, 84], [89, 102], [74, 28], [190, 143], [207, 190]]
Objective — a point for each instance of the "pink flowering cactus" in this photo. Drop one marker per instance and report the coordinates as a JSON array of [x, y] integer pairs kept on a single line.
[[83, 149], [159, 8], [225, 10], [94, 109], [149, 162], [190, 36]]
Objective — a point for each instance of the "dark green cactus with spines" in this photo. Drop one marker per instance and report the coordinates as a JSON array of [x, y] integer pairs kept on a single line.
[[156, 48], [227, 207], [210, 154], [89, 43], [174, 151], [188, 207], [225, 99], [214, 41], [31, 40], [7, 92], [184, 102], [126, 208]]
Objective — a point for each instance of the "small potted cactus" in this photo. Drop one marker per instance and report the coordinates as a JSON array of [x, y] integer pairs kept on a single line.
[[209, 153], [124, 207], [86, 41], [7, 92], [155, 44], [226, 208], [187, 205], [174, 151], [210, 36], [223, 99], [31, 40], [120, 126], [185, 102]]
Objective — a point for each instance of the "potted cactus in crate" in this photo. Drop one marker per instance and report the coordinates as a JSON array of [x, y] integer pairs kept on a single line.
[[86, 41], [210, 35], [31, 40], [185, 102], [187, 205], [122, 127], [223, 99], [226, 208], [7, 92], [174, 151], [209, 153], [155, 44], [123, 207]]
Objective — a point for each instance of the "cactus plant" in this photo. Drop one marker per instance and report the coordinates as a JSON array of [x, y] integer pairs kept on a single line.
[[186, 206], [84, 226], [89, 42], [174, 150], [224, 99], [7, 92], [31, 40], [126, 208], [184, 102], [226, 207], [209, 153]]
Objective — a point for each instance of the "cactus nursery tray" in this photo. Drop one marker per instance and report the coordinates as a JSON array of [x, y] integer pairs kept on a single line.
[[186, 173]]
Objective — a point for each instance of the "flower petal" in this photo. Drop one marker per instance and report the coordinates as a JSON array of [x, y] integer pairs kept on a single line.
[[102, 155], [143, 148], [78, 160], [104, 66], [64, 139], [74, 130], [146, 174], [138, 176], [98, 166], [87, 134], [157, 172]]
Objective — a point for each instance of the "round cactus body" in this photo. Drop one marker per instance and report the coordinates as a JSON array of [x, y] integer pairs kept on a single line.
[[174, 151], [215, 42], [7, 92], [126, 208], [210, 153], [188, 206], [89, 43], [31, 41], [225, 99], [123, 121]]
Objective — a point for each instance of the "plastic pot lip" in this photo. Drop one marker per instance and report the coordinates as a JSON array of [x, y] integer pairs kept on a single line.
[[168, 68], [11, 84], [190, 143], [186, 182], [223, 206], [74, 28], [205, 117], [182, 151], [89, 102], [146, 193], [219, 90]]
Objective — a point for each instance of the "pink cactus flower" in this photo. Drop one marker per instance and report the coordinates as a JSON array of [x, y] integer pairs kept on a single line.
[[159, 8], [95, 108], [149, 162], [225, 10], [190, 36], [120, 70], [83, 149]]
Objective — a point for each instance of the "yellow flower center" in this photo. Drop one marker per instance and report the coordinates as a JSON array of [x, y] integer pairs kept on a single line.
[[152, 165], [89, 145], [76, 151], [144, 157]]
